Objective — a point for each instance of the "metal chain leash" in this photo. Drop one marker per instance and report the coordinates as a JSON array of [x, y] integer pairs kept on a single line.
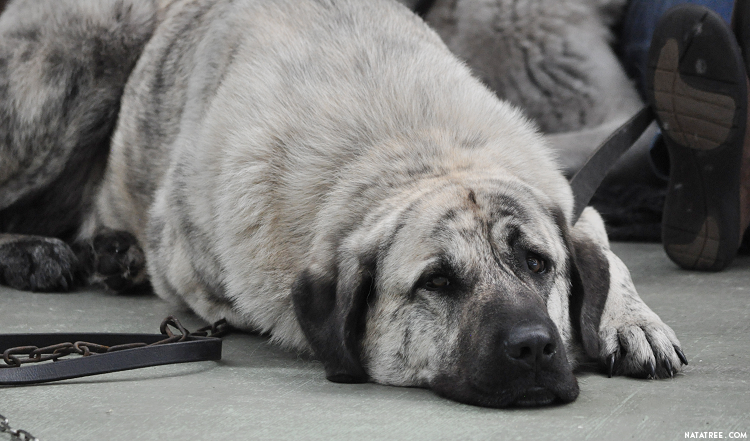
[[15, 434], [55, 352]]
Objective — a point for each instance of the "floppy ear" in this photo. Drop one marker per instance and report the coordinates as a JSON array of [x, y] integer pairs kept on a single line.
[[590, 278], [330, 307]]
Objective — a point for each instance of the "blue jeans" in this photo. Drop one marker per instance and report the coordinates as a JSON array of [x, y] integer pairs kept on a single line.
[[638, 26]]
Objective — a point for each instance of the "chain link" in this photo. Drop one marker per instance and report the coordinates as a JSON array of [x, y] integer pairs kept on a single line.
[[15, 434], [54, 352]]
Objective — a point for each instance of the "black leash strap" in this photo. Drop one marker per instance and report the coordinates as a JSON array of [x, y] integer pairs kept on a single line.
[[110, 353], [591, 175]]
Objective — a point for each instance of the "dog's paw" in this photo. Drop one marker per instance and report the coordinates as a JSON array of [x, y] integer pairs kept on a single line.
[[644, 349], [33, 263], [114, 259]]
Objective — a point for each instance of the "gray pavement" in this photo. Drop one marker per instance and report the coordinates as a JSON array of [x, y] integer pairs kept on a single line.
[[261, 392]]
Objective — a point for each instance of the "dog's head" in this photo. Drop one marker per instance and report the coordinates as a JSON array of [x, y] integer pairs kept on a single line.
[[463, 287]]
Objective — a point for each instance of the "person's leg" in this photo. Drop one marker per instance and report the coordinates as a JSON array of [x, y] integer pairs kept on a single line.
[[741, 27]]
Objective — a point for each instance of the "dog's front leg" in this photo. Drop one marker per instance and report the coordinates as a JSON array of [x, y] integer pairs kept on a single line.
[[633, 340], [617, 327]]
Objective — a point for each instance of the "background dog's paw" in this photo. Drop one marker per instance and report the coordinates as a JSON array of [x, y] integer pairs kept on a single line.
[[32, 263], [645, 350], [114, 259]]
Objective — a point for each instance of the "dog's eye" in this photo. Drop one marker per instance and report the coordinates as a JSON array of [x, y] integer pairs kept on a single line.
[[536, 264], [437, 283]]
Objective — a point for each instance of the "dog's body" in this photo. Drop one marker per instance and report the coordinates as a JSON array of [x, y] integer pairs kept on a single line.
[[328, 173]]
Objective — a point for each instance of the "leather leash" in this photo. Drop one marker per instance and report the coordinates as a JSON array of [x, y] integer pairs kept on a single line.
[[593, 172]]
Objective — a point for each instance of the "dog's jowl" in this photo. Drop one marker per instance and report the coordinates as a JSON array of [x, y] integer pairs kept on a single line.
[[323, 171]]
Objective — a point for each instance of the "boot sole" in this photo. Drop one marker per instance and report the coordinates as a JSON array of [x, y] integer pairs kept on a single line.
[[697, 85]]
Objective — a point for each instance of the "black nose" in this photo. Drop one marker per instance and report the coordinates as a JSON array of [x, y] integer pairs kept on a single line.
[[531, 346]]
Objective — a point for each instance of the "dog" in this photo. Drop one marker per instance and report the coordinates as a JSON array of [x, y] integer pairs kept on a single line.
[[323, 171]]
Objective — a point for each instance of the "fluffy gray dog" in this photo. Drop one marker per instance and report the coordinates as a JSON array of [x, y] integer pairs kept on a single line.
[[323, 171]]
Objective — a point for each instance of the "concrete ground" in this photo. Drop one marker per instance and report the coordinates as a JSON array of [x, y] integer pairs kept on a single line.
[[261, 392]]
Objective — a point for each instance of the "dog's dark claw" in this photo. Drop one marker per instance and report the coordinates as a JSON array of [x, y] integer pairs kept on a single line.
[[651, 369], [682, 357], [670, 369], [610, 365]]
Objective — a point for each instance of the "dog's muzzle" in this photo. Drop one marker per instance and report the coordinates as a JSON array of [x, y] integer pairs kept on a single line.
[[510, 356]]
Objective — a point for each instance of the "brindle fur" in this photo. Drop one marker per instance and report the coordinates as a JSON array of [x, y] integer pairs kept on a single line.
[[63, 67]]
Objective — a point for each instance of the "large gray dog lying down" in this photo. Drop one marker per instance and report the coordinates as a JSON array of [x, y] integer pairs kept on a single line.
[[322, 171]]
